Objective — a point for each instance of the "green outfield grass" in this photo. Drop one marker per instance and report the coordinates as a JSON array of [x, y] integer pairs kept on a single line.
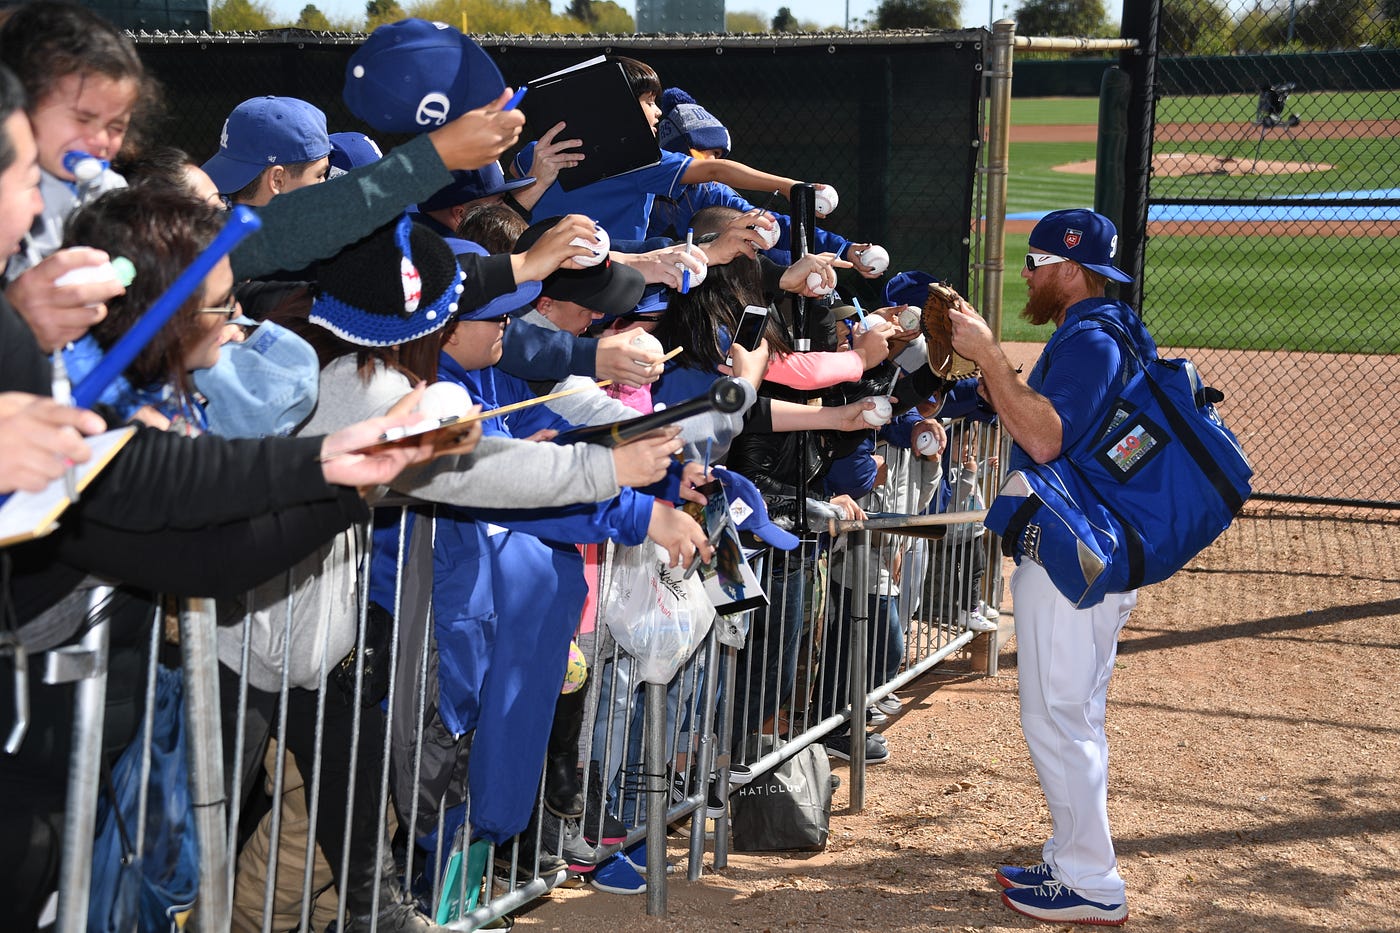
[[1251, 293], [1331, 105]]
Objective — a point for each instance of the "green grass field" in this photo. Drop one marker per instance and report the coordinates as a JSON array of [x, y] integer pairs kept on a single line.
[[1332, 105], [1251, 293], [1258, 293]]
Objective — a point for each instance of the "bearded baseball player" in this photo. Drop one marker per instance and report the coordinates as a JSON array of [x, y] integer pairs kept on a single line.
[[1064, 655]]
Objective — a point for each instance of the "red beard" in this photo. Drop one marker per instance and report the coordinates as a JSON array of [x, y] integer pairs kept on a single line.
[[1045, 304]]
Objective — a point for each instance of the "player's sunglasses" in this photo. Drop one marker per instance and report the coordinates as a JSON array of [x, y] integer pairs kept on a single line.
[[1035, 260]]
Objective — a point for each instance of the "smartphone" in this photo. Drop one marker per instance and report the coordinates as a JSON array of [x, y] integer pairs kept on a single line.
[[749, 333], [712, 516]]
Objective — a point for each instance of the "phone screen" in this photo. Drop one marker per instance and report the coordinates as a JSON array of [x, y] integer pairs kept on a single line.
[[751, 327]]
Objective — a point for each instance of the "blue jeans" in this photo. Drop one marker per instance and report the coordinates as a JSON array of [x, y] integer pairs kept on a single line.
[[767, 664], [884, 647]]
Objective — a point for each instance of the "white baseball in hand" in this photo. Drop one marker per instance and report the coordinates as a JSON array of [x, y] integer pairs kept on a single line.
[[926, 443], [875, 258], [817, 285], [598, 248], [769, 235], [826, 200], [695, 277], [910, 319], [880, 414], [444, 400], [645, 341]]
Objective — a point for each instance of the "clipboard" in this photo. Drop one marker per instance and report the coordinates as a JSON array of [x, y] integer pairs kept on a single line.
[[596, 104], [29, 515]]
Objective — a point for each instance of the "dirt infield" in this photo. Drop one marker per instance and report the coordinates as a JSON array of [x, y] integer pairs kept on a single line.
[[1250, 783], [1191, 132], [1179, 164]]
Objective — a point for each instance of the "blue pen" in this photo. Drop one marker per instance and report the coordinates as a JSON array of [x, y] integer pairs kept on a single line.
[[515, 98], [855, 303], [685, 273]]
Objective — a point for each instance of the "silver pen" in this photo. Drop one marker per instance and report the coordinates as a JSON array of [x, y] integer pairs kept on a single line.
[[63, 394]]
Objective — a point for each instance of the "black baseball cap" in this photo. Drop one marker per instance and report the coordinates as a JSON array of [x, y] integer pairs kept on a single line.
[[608, 288]]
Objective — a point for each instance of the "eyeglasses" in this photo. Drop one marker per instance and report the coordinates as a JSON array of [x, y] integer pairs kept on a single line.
[[1034, 260], [228, 308]]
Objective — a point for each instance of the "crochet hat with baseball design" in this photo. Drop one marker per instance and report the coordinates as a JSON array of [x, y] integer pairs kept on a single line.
[[685, 125], [399, 283]]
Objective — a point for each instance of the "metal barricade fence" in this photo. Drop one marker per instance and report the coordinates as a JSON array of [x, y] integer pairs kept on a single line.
[[649, 756]]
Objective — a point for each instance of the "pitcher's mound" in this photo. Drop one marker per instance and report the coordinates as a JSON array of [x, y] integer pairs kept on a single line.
[[1175, 164]]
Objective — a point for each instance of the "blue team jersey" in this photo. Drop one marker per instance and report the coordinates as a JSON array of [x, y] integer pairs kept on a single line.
[[621, 204]]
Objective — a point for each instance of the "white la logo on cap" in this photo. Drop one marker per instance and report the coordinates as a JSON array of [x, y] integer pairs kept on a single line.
[[1113, 246], [223, 136], [432, 109]]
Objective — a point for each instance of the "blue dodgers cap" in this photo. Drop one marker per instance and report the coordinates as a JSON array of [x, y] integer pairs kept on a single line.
[[908, 288], [524, 295], [739, 489], [413, 76], [350, 151], [397, 284], [473, 185], [265, 131], [1080, 236]]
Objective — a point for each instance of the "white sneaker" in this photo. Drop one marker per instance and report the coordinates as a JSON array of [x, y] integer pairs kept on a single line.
[[988, 612], [890, 704], [976, 622]]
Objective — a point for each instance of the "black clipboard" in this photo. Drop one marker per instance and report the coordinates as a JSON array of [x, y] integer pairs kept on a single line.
[[596, 104]]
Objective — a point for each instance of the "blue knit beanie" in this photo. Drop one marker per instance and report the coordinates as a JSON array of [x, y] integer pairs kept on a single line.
[[685, 125]]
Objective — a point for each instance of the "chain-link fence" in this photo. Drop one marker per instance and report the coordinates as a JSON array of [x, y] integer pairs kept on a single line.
[[1272, 222]]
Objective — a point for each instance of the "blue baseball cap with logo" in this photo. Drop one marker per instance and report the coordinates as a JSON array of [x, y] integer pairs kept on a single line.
[[473, 185], [265, 131], [520, 298], [350, 151], [908, 288], [739, 488], [413, 76], [1080, 236]]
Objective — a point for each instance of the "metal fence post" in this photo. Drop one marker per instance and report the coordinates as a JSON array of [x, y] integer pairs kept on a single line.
[[205, 752], [85, 663], [860, 622], [658, 796], [998, 157], [1140, 19]]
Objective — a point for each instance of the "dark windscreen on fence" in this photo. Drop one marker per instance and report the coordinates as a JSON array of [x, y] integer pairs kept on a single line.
[[892, 126]]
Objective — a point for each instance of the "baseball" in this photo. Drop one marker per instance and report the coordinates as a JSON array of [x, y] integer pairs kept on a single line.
[[444, 400], [826, 200], [769, 235], [910, 319], [599, 249], [645, 341], [881, 413], [695, 277], [876, 258], [926, 443], [816, 285]]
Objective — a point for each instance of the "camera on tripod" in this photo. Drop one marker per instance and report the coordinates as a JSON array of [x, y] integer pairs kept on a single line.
[[1272, 99]]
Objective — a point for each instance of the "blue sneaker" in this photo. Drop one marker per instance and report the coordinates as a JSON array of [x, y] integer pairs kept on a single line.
[[623, 873], [1055, 903], [1013, 876]]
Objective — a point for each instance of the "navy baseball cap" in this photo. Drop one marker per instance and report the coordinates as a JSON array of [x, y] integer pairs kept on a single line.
[[1080, 236], [740, 489], [265, 131], [413, 76], [524, 295], [472, 186], [351, 150], [908, 288]]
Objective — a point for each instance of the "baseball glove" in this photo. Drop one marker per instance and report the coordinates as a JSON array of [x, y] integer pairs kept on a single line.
[[939, 330]]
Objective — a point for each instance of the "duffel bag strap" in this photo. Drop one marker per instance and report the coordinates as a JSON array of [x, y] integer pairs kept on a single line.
[[1016, 525]]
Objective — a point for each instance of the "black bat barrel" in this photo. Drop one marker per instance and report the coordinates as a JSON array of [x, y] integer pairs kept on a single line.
[[724, 395]]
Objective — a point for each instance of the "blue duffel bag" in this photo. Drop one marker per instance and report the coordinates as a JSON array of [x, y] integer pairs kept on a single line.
[[1135, 499]]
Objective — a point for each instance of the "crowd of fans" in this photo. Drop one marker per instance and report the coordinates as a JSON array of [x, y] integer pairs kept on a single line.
[[380, 290]]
